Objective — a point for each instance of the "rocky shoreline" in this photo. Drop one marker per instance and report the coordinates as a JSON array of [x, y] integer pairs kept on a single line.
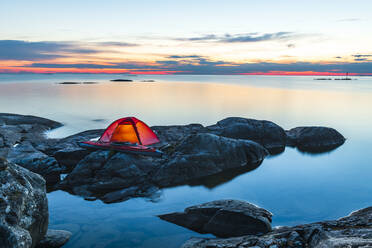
[[244, 225], [191, 152]]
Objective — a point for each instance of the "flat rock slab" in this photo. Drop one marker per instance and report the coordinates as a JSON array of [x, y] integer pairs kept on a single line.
[[223, 218], [314, 139]]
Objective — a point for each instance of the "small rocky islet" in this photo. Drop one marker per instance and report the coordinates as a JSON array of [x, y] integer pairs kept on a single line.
[[191, 152]]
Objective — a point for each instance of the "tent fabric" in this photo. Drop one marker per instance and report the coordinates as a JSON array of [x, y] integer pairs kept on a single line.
[[129, 129]]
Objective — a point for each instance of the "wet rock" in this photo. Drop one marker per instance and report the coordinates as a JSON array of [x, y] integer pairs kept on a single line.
[[266, 133], [23, 206], [28, 157], [54, 239], [206, 154], [354, 230], [223, 218], [314, 139]]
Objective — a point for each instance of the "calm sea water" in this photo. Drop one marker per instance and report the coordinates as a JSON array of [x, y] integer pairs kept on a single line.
[[296, 187]]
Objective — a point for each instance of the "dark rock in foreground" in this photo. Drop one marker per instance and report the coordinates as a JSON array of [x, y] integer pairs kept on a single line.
[[223, 218], [354, 230], [23, 207], [54, 239], [314, 139]]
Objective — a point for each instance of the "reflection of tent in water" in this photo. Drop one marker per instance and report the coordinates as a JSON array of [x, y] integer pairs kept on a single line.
[[126, 135]]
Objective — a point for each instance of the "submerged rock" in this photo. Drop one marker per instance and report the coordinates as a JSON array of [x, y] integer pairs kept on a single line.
[[23, 207], [314, 139], [266, 133], [223, 218], [54, 239], [354, 230]]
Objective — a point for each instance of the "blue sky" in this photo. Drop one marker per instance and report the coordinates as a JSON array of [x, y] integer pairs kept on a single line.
[[235, 32]]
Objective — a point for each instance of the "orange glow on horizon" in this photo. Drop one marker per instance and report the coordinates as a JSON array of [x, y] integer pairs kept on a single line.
[[163, 72]]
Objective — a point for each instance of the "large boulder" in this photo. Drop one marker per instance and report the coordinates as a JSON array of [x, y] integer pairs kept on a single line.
[[223, 218], [23, 207], [207, 154], [354, 230], [266, 133], [314, 139], [112, 176]]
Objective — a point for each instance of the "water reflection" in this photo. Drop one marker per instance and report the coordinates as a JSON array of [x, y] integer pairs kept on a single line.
[[295, 187]]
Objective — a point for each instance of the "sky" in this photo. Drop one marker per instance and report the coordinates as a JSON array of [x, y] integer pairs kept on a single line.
[[280, 37]]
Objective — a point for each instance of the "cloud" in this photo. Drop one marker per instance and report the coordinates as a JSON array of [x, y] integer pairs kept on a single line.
[[291, 45], [361, 55], [45, 50], [117, 44], [33, 51], [349, 20], [249, 37]]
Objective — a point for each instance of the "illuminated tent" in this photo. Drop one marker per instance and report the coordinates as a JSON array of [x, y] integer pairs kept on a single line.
[[131, 130]]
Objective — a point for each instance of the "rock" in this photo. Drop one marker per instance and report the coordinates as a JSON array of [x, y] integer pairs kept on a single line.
[[54, 239], [354, 230], [67, 150], [23, 207], [69, 83], [120, 195], [102, 172], [206, 154], [28, 157], [121, 80], [223, 218], [113, 176], [14, 119], [266, 133], [176, 133], [314, 139]]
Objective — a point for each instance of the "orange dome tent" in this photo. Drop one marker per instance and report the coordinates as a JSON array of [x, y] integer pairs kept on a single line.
[[126, 135], [129, 129]]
